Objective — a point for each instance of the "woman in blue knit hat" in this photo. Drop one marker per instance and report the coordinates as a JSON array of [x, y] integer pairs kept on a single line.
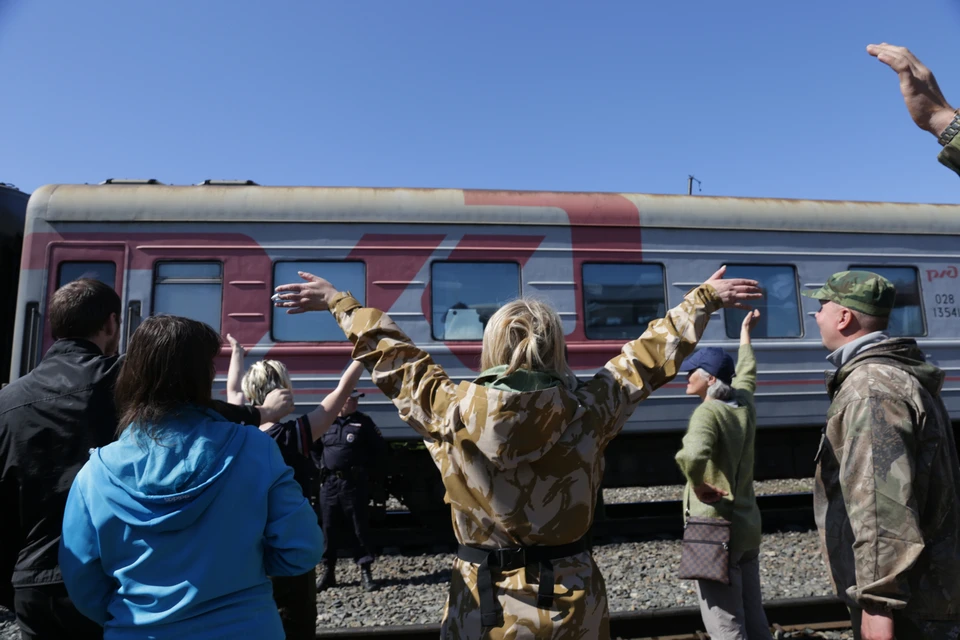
[[717, 460]]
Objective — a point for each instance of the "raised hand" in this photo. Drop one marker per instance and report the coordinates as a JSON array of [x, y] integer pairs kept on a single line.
[[750, 321], [734, 292], [925, 102], [314, 294], [234, 345]]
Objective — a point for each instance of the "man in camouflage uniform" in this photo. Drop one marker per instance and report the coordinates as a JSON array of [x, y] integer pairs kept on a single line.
[[886, 495], [521, 457], [925, 102]]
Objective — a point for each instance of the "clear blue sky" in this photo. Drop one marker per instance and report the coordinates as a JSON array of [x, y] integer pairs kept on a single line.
[[756, 97]]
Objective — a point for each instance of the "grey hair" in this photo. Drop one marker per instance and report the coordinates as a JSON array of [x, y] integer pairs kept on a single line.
[[719, 390]]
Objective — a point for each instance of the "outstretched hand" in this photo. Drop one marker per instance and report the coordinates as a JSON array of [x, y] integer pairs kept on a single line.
[[925, 102], [314, 294], [734, 292]]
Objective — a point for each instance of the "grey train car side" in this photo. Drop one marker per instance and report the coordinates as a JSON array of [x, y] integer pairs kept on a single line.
[[441, 260]]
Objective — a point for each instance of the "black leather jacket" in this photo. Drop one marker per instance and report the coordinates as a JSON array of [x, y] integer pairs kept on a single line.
[[49, 421]]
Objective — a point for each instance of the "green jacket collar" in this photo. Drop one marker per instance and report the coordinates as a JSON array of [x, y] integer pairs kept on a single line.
[[520, 380]]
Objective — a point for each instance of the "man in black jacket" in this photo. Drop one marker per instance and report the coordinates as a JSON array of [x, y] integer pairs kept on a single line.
[[49, 421]]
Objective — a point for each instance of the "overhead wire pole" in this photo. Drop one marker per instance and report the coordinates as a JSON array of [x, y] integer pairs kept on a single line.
[[690, 181]]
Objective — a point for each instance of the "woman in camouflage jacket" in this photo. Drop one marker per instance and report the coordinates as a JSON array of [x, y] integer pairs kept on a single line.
[[520, 449]]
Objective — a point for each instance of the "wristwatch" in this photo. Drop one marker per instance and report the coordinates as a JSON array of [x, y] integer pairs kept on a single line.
[[951, 131]]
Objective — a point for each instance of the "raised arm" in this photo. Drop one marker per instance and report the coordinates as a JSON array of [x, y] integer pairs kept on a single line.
[[654, 358], [323, 416], [235, 372], [925, 102], [420, 389], [746, 375]]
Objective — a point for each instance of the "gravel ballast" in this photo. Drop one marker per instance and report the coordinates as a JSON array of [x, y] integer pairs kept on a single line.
[[638, 575]]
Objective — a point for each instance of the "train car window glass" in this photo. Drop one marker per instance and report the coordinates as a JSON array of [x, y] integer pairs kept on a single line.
[[906, 319], [105, 272], [466, 294], [190, 289], [316, 327], [780, 306], [620, 300]]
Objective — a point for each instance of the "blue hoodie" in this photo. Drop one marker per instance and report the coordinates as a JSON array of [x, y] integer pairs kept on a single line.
[[176, 540]]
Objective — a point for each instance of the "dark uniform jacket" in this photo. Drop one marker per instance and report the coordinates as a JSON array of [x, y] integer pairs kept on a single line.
[[49, 421], [295, 439], [352, 442]]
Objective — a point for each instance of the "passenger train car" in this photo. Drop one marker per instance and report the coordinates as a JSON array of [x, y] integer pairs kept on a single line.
[[440, 261]]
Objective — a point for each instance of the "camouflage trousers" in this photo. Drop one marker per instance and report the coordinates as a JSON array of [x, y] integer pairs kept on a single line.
[[579, 608], [908, 628]]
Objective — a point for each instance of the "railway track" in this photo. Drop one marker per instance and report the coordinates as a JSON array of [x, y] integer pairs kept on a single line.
[[681, 622], [627, 522]]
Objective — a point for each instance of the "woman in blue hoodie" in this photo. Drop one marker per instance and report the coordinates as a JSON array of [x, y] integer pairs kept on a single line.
[[172, 530]]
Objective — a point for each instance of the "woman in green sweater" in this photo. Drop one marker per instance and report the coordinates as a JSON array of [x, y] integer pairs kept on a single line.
[[717, 460]]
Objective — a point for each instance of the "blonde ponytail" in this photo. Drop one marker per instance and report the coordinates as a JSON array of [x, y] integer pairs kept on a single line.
[[526, 334]]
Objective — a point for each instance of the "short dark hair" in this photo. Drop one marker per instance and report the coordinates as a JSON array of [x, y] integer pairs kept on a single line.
[[871, 323], [169, 364], [80, 309]]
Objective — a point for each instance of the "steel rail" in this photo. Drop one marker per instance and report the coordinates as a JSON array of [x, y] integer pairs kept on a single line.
[[675, 622]]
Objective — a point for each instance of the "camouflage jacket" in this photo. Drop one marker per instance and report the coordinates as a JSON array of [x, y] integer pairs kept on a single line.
[[523, 468], [950, 156], [886, 494]]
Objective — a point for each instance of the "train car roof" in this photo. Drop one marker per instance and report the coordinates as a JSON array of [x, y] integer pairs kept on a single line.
[[247, 202]]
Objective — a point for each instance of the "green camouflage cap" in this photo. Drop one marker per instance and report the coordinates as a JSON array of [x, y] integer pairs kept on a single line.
[[862, 291]]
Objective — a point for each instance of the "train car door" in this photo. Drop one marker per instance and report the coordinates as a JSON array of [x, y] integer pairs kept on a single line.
[[68, 261]]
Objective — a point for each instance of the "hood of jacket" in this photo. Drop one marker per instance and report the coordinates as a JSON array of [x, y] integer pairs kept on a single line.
[[518, 416], [902, 353], [168, 484]]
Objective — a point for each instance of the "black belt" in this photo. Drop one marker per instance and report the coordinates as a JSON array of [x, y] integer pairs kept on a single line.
[[492, 561], [352, 473]]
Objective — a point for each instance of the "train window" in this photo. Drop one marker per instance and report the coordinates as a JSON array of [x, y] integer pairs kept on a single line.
[[906, 319], [620, 300], [189, 289], [316, 327], [105, 272], [466, 294], [779, 307]]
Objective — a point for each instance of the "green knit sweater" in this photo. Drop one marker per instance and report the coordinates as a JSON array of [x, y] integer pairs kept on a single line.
[[718, 448]]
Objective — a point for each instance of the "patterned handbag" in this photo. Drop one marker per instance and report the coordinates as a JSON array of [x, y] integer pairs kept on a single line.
[[706, 550]]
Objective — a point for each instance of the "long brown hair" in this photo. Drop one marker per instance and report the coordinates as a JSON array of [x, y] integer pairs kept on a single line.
[[169, 364]]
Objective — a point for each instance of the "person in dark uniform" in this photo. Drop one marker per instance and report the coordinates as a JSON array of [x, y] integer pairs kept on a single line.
[[347, 454]]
